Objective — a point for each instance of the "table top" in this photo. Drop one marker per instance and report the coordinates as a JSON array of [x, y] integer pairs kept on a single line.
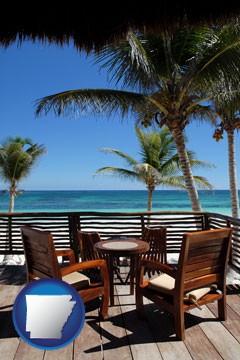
[[122, 247]]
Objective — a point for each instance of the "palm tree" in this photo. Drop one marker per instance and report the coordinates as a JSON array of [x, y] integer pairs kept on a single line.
[[159, 164], [230, 121], [173, 77], [17, 157]]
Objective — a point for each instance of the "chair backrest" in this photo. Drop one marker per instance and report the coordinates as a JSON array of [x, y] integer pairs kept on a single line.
[[86, 245], [40, 256], [203, 259], [157, 239]]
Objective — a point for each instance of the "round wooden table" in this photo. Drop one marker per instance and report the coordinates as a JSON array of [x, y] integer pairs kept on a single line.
[[131, 248]]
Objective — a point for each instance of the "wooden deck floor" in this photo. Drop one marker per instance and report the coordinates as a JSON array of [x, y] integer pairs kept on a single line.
[[124, 336]]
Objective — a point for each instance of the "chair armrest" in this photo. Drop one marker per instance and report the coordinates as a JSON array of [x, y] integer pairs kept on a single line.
[[157, 265], [152, 265], [100, 263], [67, 252]]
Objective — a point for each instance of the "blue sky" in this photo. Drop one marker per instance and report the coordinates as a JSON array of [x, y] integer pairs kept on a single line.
[[34, 70]]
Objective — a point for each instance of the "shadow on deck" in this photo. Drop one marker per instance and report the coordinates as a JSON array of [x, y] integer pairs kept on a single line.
[[123, 334]]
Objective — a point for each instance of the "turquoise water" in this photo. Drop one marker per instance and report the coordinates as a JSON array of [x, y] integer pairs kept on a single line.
[[114, 200]]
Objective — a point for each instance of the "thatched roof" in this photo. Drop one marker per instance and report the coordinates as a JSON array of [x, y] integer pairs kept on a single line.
[[91, 25]]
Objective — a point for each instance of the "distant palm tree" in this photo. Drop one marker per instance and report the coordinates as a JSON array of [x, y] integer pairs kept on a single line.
[[174, 77], [230, 121], [17, 157], [159, 163]]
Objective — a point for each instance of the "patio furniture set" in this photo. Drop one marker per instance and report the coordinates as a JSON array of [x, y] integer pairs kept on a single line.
[[198, 278]]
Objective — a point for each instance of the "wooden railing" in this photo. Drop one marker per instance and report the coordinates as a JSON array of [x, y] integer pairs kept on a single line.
[[64, 226]]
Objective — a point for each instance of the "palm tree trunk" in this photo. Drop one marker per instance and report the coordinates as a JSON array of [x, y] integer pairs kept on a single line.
[[232, 174], [150, 194], [11, 202], [186, 169]]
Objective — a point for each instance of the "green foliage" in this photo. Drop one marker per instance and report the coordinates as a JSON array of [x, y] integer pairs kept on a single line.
[[17, 158], [170, 78], [159, 162]]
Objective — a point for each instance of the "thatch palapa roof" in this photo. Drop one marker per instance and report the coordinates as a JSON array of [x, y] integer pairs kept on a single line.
[[91, 25]]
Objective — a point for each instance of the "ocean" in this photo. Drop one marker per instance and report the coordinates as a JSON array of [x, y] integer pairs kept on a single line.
[[115, 200]]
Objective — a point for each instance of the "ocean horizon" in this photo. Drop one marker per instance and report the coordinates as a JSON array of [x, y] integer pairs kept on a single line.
[[115, 201]]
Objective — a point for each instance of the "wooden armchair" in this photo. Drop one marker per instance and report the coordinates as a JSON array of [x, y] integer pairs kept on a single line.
[[157, 239], [87, 240], [200, 277], [41, 259]]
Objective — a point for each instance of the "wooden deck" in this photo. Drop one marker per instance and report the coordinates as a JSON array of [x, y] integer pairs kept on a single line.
[[123, 335]]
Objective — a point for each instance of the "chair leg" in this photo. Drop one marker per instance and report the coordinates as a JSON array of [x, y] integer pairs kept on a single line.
[[222, 312], [139, 303], [104, 307], [179, 324]]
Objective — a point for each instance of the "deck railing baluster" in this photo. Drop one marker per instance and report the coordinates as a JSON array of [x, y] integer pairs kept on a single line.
[[64, 226]]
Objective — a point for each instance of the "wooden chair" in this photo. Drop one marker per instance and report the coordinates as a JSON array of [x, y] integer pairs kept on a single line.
[[86, 245], [157, 239], [87, 240], [41, 259], [200, 277]]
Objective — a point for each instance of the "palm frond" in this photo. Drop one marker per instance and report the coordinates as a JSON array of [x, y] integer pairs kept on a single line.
[[83, 101], [195, 163], [129, 62], [159, 163], [122, 173], [202, 183], [129, 159], [17, 157], [176, 182], [219, 56]]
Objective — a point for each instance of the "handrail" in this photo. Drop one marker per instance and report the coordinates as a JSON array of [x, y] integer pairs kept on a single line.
[[64, 226]]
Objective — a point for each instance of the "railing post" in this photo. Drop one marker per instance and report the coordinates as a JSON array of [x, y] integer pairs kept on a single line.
[[69, 223], [205, 222], [231, 247], [142, 223], [10, 233], [73, 228]]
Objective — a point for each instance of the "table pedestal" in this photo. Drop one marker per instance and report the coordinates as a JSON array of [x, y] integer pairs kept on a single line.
[[131, 248]]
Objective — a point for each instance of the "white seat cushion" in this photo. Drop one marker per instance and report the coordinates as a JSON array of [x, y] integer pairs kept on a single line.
[[77, 280], [162, 283], [165, 284]]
